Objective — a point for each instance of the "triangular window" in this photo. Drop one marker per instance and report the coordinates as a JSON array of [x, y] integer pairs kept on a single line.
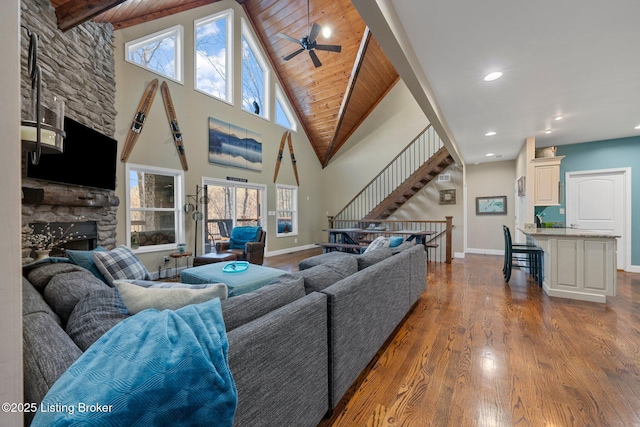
[[160, 52]]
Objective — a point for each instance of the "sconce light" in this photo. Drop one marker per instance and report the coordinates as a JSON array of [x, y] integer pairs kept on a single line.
[[43, 133]]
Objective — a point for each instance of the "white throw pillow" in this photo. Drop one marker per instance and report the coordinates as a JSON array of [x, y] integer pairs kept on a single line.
[[378, 242], [137, 298]]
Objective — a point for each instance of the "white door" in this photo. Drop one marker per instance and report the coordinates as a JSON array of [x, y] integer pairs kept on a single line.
[[597, 200]]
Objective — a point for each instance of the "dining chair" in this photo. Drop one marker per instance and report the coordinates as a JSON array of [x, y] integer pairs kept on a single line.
[[534, 260]]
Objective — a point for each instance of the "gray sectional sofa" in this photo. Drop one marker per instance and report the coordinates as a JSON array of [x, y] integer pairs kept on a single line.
[[295, 346]]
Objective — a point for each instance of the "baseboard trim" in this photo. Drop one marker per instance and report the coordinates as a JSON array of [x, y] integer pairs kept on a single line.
[[289, 250], [634, 269], [485, 251], [458, 254]]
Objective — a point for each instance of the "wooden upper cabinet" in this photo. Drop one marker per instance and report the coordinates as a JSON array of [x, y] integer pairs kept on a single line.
[[547, 181]]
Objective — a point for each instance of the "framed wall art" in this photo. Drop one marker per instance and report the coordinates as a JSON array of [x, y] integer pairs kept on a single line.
[[491, 205], [232, 145], [448, 197]]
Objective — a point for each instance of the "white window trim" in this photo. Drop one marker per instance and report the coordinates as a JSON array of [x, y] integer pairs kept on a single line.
[[259, 54], [178, 174], [178, 30], [294, 218], [229, 54], [286, 108]]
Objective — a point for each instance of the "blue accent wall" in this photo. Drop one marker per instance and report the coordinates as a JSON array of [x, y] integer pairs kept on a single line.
[[609, 154]]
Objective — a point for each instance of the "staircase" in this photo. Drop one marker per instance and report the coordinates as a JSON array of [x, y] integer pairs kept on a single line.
[[418, 180], [417, 165]]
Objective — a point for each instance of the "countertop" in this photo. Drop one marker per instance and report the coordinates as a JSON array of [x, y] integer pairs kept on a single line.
[[567, 232]]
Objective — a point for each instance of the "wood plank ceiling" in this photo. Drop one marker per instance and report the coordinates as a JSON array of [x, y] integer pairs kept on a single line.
[[330, 101]]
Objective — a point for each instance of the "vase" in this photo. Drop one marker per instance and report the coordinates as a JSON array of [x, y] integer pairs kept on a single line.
[[42, 254]]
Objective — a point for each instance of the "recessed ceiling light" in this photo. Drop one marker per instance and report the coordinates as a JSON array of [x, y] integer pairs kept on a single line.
[[637, 127], [489, 154], [558, 118], [495, 75], [490, 133], [326, 32], [548, 131]]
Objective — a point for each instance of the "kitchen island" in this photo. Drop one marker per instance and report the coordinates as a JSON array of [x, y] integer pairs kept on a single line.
[[578, 264]]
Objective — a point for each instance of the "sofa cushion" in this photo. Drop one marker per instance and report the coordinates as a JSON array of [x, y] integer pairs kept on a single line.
[[243, 234], [324, 275], [47, 349], [321, 259], [39, 277], [85, 259], [96, 313], [120, 263], [247, 307], [137, 298], [372, 257], [65, 290]]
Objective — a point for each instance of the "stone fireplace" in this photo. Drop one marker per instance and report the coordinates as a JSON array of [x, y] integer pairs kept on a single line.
[[92, 211]]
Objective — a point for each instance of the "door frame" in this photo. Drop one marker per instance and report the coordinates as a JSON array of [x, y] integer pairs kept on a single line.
[[626, 214], [225, 182]]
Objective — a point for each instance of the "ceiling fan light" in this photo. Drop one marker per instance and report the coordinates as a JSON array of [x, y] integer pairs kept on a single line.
[[326, 32], [495, 75]]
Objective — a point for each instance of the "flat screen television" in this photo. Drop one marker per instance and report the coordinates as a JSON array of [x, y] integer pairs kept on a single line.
[[89, 159]]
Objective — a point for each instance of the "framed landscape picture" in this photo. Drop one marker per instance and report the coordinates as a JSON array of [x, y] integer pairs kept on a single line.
[[493, 205]]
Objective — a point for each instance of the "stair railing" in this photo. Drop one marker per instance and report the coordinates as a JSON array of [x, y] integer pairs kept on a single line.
[[414, 155]]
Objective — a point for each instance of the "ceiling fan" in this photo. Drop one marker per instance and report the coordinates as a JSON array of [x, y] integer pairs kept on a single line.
[[308, 42]]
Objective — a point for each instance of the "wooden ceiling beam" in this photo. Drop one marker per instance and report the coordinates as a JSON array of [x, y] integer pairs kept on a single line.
[[160, 13], [75, 12], [347, 94]]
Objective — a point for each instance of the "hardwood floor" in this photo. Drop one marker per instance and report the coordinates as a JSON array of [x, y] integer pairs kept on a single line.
[[475, 351]]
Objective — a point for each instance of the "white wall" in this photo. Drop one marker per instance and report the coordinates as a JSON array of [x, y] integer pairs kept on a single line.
[[426, 205], [484, 232], [155, 146], [394, 123], [10, 285]]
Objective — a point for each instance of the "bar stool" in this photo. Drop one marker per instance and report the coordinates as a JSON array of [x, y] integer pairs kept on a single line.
[[534, 258]]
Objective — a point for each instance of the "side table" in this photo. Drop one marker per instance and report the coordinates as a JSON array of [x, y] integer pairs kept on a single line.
[[178, 255]]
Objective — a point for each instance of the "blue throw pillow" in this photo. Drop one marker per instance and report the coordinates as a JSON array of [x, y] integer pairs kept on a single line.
[[85, 259], [394, 241], [241, 235]]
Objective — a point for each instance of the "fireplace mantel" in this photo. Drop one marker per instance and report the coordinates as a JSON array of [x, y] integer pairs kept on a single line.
[[67, 197]]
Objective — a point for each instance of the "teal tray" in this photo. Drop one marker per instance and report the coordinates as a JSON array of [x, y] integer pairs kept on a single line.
[[235, 267]]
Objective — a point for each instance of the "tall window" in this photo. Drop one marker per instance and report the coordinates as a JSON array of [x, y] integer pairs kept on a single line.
[[213, 55], [284, 117], [287, 210], [254, 76], [159, 52], [154, 208]]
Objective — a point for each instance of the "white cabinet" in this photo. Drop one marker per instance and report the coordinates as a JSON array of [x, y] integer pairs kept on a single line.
[[547, 181]]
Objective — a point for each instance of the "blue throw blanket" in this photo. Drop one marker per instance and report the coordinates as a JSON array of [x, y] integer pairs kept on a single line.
[[152, 369]]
